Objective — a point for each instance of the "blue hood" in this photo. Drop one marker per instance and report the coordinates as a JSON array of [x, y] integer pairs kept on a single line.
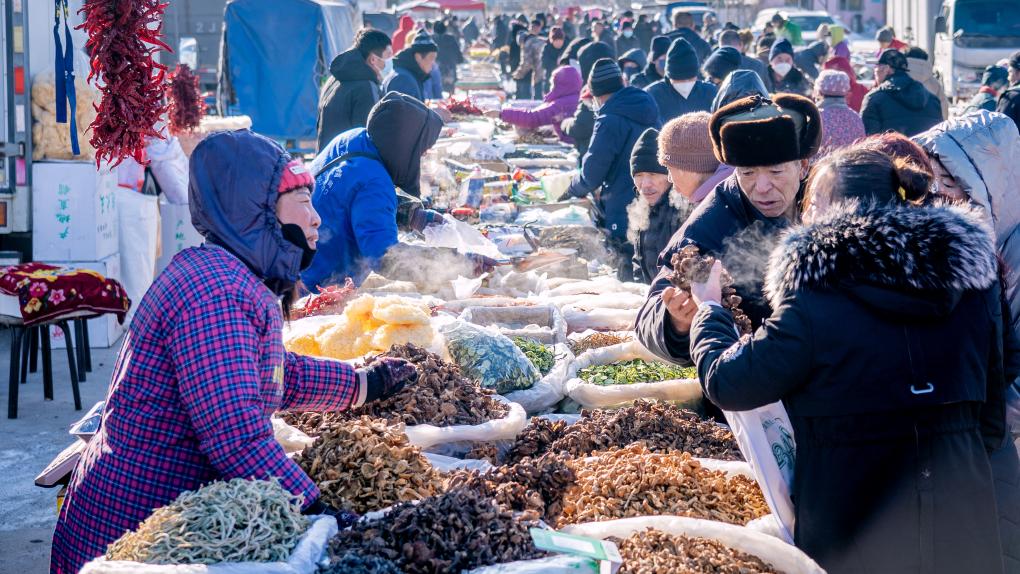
[[232, 191], [635, 105]]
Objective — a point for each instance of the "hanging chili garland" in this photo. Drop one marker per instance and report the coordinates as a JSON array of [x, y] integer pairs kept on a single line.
[[186, 105], [124, 35]]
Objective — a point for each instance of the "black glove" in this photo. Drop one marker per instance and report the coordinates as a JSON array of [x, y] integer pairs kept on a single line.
[[386, 377], [344, 518], [482, 263], [565, 197], [421, 218]]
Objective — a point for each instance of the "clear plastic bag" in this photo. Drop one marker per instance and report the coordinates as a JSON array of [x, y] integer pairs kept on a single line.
[[460, 436], [489, 357], [549, 391]]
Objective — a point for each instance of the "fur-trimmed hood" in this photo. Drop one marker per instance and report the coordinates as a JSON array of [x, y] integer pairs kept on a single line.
[[928, 253]]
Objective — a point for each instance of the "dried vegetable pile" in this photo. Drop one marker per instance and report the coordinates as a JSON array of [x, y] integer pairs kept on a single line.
[[634, 481], [442, 397], [689, 266], [596, 341], [458, 530], [635, 371], [368, 325], [124, 37], [534, 487], [541, 356], [655, 552], [236, 521], [661, 427], [364, 465]]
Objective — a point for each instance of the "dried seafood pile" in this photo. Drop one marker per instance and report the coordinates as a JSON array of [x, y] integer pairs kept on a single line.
[[534, 487], [662, 427], [236, 521], [654, 552], [634, 481], [459, 530], [442, 396], [689, 266], [364, 465]]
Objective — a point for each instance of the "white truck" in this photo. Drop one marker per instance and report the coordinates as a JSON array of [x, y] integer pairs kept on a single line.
[[960, 36]]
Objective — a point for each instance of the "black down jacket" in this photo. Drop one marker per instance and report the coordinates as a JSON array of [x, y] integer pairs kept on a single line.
[[900, 104], [724, 225], [348, 95], [650, 228], [886, 348]]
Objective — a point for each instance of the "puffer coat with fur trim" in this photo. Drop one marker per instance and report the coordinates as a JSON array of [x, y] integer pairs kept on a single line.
[[886, 347]]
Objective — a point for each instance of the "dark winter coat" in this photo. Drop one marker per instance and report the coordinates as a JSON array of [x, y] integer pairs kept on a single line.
[[752, 64], [407, 77], [701, 47], [900, 104], [646, 78], [449, 57], [580, 127], [625, 44], [551, 60], [888, 408], [794, 82], [673, 105], [649, 230], [348, 95], [724, 225], [806, 59], [983, 100], [606, 165], [470, 32], [1009, 104], [643, 32]]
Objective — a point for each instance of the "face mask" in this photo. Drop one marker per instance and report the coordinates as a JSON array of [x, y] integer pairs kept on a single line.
[[595, 105], [628, 33], [294, 234], [630, 71], [782, 68], [684, 87], [387, 68], [660, 66]]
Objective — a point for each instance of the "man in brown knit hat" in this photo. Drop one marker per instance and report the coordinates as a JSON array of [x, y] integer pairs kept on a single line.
[[685, 149], [769, 144]]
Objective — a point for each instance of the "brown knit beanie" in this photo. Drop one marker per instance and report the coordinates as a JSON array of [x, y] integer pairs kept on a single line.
[[684, 144]]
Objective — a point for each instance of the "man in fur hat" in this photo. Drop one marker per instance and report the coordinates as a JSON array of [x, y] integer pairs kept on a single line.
[[769, 143]]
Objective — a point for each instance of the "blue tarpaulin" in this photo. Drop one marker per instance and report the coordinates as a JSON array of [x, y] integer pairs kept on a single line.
[[274, 56]]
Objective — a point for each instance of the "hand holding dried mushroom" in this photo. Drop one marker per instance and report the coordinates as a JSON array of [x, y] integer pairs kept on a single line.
[[689, 266]]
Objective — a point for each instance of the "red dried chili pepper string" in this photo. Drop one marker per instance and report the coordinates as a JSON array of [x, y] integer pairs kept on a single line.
[[124, 35], [186, 105]]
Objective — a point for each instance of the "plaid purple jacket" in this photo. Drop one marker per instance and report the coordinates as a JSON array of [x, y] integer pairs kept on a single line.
[[201, 370]]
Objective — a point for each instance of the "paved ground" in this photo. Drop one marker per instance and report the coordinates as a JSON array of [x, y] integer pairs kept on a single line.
[[28, 443]]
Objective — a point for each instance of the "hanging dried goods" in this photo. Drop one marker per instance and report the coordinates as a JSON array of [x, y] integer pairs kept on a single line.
[[186, 104], [364, 465], [236, 521]]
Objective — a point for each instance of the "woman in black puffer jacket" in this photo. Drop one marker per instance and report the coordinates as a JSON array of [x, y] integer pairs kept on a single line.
[[886, 348]]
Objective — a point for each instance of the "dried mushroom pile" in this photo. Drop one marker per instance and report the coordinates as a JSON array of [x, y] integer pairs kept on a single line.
[[236, 521], [459, 530], [442, 397], [689, 266], [351, 563], [365, 465], [662, 427], [534, 487], [634, 481], [655, 552]]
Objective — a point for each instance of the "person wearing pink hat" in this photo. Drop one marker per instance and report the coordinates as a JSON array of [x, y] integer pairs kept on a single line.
[[841, 126]]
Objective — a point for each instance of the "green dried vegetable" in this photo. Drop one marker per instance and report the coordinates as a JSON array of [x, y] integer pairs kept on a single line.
[[635, 371], [490, 358], [541, 356]]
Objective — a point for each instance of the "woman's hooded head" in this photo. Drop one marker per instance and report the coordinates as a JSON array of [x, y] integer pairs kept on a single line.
[[403, 129], [233, 189], [739, 84]]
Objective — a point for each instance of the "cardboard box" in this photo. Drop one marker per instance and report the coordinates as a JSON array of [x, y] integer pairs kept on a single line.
[[104, 331], [74, 212], [176, 232]]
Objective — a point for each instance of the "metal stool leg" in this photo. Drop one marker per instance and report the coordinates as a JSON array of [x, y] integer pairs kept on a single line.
[[71, 364], [24, 353], [88, 345], [79, 340], [33, 349], [47, 359], [17, 333]]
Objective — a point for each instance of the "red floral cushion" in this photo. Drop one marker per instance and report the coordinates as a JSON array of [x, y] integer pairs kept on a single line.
[[46, 292]]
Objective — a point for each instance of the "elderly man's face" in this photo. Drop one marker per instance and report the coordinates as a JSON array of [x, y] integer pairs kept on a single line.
[[773, 189]]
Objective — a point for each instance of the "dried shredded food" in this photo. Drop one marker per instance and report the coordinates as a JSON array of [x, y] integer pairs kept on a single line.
[[634, 481], [236, 521], [662, 427], [442, 397], [124, 36], [534, 487], [655, 552], [458, 530], [596, 341], [364, 465], [690, 266]]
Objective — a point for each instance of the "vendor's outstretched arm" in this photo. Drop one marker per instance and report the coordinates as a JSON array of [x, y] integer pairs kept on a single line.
[[215, 349], [312, 384], [761, 369]]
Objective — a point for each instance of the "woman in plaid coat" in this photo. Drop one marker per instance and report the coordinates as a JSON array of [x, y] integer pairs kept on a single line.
[[203, 365]]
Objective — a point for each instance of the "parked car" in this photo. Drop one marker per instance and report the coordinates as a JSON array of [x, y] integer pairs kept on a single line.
[[808, 20]]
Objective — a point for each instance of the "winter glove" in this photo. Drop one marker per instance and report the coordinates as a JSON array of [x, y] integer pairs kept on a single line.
[[482, 263], [386, 377], [421, 218], [344, 518], [565, 197]]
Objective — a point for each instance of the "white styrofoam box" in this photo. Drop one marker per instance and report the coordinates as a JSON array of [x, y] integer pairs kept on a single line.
[[176, 232], [104, 331], [10, 305], [74, 212]]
